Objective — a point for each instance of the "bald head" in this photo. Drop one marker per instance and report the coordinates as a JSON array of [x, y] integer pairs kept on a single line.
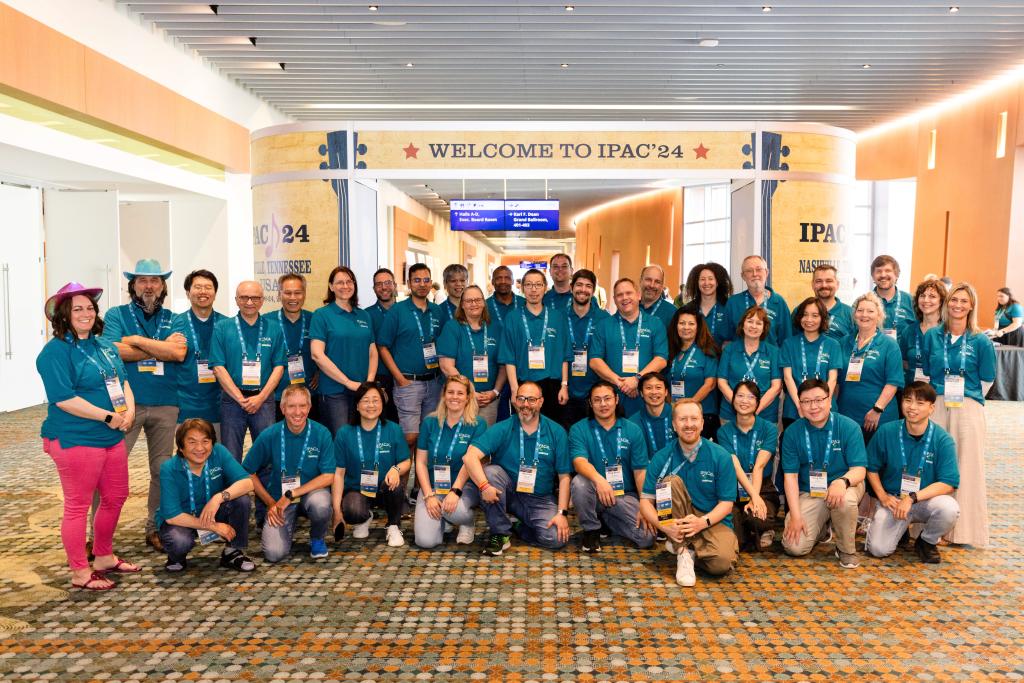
[[249, 298]]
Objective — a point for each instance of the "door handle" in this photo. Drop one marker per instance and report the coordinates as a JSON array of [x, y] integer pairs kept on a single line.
[[8, 351]]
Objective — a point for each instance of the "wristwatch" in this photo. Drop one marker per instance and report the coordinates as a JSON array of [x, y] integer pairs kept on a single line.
[[708, 520], [225, 496], [847, 482], [877, 409], [289, 495], [109, 418], [564, 513], [457, 491], [913, 496]]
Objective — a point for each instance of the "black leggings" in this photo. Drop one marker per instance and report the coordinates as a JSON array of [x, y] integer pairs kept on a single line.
[[355, 507]]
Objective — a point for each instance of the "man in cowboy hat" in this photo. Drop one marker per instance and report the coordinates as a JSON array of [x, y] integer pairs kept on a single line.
[[141, 330]]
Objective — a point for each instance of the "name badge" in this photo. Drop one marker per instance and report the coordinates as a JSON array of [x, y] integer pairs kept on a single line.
[[288, 483], [207, 537], [909, 484], [204, 373], [251, 373], [663, 499], [480, 369], [954, 392], [527, 479], [152, 365], [630, 362], [919, 375], [890, 333], [535, 356], [854, 369], [819, 483], [741, 493], [296, 369], [678, 390], [368, 483], [430, 355], [579, 363], [442, 479], [116, 393], [614, 476]]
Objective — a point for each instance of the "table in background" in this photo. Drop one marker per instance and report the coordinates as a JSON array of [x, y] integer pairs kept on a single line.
[[1009, 384]]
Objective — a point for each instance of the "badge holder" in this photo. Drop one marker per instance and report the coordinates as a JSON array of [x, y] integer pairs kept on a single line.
[[481, 371], [579, 363], [953, 394], [368, 483], [288, 483], [527, 479], [630, 362], [854, 369], [663, 500], [535, 356], [206, 537], [678, 390], [204, 373], [819, 483], [442, 479], [116, 393], [296, 369], [909, 484], [430, 355], [251, 373], [613, 475]]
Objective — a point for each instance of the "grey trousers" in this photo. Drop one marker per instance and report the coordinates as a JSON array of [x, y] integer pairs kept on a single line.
[[159, 424], [621, 518], [938, 514]]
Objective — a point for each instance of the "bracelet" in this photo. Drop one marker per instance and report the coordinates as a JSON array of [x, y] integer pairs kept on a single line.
[[484, 486], [708, 520]]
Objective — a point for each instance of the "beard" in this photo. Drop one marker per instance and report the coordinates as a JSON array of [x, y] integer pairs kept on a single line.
[[157, 302]]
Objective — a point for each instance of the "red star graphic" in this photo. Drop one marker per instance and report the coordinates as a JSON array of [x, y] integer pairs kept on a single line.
[[702, 151], [411, 151]]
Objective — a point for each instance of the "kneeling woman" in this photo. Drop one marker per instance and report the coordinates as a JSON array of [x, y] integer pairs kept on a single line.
[[444, 437], [372, 459], [203, 489]]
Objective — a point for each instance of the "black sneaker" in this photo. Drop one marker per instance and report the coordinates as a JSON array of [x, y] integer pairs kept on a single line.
[[233, 558], [605, 531], [497, 544], [928, 553], [591, 542], [659, 536]]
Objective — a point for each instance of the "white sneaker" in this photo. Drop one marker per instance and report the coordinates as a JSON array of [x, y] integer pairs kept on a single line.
[[669, 548], [362, 530], [394, 536], [685, 575], [467, 532], [766, 539]]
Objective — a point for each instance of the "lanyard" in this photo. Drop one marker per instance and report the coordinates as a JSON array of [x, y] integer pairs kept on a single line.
[[451, 446], [497, 307], [828, 442], [195, 337], [896, 302], [600, 443], [639, 329], [927, 445], [854, 353], [654, 309], [749, 467], [682, 457], [750, 301], [946, 342], [416, 314], [160, 320], [205, 474], [284, 334], [686, 361], [650, 432], [522, 445], [543, 330], [376, 446], [752, 365], [817, 362], [103, 372], [302, 454], [586, 337], [472, 344], [241, 339]]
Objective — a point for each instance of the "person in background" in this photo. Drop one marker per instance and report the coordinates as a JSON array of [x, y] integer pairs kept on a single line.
[[751, 358], [90, 406], [961, 364], [928, 301], [1008, 319], [693, 365], [560, 294], [198, 391], [652, 294], [680, 296], [456, 277], [295, 324], [710, 285], [384, 289], [755, 276], [584, 317], [825, 283], [809, 353], [898, 309]]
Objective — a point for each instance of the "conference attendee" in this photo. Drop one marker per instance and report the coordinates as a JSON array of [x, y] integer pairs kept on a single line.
[[528, 454], [499, 305], [560, 294], [535, 346], [141, 331], [292, 467], [455, 277], [198, 391], [912, 470], [384, 290], [688, 491], [204, 496], [899, 310], [468, 346], [407, 342], [751, 357], [752, 442], [809, 353], [874, 369], [610, 457], [928, 301], [710, 285], [961, 363], [655, 418], [447, 497], [825, 283], [342, 346], [373, 462], [247, 357], [584, 317], [652, 294], [693, 365], [824, 463], [295, 323], [755, 276], [1008, 319], [680, 296], [90, 406], [627, 345]]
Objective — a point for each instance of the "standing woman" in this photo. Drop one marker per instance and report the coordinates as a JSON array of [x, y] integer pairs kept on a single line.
[[810, 354], [447, 495], [342, 345], [468, 346], [928, 301], [1009, 318], [693, 365], [710, 285], [751, 358], [961, 363], [874, 369], [90, 408]]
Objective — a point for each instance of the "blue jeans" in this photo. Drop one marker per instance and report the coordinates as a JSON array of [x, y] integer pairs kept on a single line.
[[179, 540], [621, 518], [234, 422], [415, 401], [335, 411], [315, 506], [532, 510], [429, 532]]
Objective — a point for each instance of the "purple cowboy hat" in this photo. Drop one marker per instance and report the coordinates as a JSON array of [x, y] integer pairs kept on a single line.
[[66, 292]]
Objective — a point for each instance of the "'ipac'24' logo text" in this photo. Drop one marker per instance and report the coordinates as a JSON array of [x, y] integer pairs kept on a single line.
[[271, 235], [822, 232]]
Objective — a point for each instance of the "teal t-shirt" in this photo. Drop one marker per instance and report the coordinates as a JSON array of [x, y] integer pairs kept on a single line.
[[899, 311], [883, 365], [776, 307], [262, 342], [615, 335], [523, 328], [623, 444], [717, 319], [309, 453], [657, 430], [971, 355], [70, 370], [295, 339], [446, 312], [220, 471], [662, 309], [460, 343], [442, 448], [845, 451], [840, 321], [380, 453], [763, 436], [546, 449], [912, 349], [762, 366], [931, 456], [347, 336], [558, 300], [500, 311], [808, 359], [377, 313], [149, 388], [581, 336], [195, 398], [1005, 316], [710, 479], [404, 332], [692, 367]]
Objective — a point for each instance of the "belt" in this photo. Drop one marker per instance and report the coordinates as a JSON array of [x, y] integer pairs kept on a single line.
[[420, 378], [250, 393]]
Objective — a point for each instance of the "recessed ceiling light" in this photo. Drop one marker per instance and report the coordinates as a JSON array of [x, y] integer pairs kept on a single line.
[[865, 66], [766, 8], [409, 65], [373, 8], [708, 42], [719, 66], [570, 8], [564, 65], [954, 9]]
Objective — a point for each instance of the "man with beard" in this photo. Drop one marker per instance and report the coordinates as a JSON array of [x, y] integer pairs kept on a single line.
[[560, 295], [755, 276], [141, 330], [584, 319], [652, 294], [899, 307], [456, 277], [825, 283], [384, 290]]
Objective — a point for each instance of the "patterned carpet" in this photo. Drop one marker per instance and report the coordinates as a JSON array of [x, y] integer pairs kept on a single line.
[[370, 612]]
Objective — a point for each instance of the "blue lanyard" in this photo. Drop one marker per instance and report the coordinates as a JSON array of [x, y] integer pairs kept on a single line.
[[302, 454], [927, 445], [160, 320], [103, 372], [752, 365], [749, 467], [205, 474], [946, 341], [666, 421], [654, 309], [586, 337], [497, 308], [416, 314], [682, 457], [639, 329], [284, 334], [686, 362], [543, 330], [195, 337], [376, 446], [451, 446], [241, 339], [854, 353], [522, 445], [750, 301], [600, 443], [828, 442], [472, 344], [817, 362]]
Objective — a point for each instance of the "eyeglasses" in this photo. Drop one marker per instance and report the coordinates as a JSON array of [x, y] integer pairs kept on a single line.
[[469, 302], [813, 402], [420, 280], [533, 285], [370, 402], [759, 269], [249, 299], [203, 288], [530, 400], [384, 283], [602, 400]]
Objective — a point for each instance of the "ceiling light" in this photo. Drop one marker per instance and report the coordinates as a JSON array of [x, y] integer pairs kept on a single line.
[[409, 65], [954, 9], [373, 8], [865, 66], [570, 8], [564, 65], [389, 23], [766, 8], [708, 42], [445, 106]]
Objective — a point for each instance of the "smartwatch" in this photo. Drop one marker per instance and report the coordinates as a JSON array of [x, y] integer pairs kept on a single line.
[[109, 418], [913, 496], [289, 495], [877, 409], [564, 513], [847, 482], [225, 496], [457, 491]]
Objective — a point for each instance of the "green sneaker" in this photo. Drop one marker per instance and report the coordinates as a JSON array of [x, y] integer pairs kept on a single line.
[[497, 544]]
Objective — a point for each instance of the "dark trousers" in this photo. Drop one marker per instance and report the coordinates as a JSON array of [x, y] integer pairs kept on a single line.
[[574, 411], [551, 409], [355, 507], [711, 425], [179, 540], [747, 527]]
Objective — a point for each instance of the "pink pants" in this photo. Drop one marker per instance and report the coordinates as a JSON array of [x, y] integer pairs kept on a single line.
[[82, 471]]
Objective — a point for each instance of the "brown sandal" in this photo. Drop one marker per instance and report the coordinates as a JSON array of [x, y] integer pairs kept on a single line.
[[94, 577]]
